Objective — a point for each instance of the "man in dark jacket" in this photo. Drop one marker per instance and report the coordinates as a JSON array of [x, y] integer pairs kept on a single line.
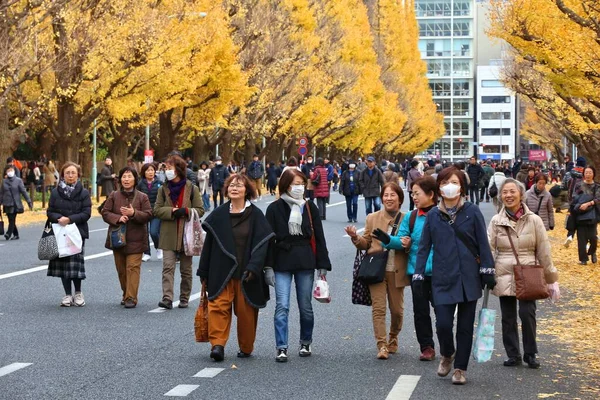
[[489, 172], [256, 171], [370, 183], [307, 169], [476, 175], [217, 177], [107, 178]]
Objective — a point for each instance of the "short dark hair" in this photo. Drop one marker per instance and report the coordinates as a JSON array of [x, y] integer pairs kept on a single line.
[[145, 168], [394, 187], [9, 160], [248, 184], [414, 163], [70, 164], [292, 162], [133, 172], [592, 168], [499, 168], [541, 176], [446, 174], [179, 164], [288, 177], [427, 185]]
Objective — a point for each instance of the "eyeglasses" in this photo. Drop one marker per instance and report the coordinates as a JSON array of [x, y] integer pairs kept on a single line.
[[237, 186]]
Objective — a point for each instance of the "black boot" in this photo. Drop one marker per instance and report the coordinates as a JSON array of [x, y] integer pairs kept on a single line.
[[217, 353], [513, 361], [531, 360]]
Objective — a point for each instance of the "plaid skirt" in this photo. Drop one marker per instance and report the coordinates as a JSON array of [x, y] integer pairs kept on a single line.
[[71, 267]]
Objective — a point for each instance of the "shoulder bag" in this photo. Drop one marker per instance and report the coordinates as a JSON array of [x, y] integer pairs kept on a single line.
[[529, 279], [201, 318], [493, 190], [372, 267], [313, 240], [48, 246], [117, 238]]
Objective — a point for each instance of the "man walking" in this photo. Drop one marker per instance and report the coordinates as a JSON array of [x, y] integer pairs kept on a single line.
[[370, 183], [476, 174], [255, 172], [107, 178], [217, 177]]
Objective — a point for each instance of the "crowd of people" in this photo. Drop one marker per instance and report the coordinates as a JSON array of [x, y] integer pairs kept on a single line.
[[441, 248]]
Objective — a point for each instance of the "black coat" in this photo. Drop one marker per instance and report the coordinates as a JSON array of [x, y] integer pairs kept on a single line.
[[153, 192], [345, 183], [293, 253], [78, 207], [476, 173], [370, 186], [273, 173], [218, 176], [218, 261]]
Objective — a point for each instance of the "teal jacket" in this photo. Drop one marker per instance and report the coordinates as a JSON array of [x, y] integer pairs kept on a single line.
[[396, 244]]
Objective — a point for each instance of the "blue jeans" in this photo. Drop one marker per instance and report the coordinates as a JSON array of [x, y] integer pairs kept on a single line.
[[372, 201], [352, 207], [206, 200], [154, 230], [304, 285]]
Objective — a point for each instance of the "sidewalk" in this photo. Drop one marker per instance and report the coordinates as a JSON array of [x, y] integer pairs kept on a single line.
[[38, 215]]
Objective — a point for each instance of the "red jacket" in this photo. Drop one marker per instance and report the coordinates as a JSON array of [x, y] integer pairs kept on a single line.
[[322, 189]]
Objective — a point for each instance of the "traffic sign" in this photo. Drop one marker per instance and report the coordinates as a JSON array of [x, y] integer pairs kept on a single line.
[[148, 156], [303, 141], [302, 150]]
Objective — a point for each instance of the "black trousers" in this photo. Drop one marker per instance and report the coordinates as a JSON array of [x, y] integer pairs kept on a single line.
[[444, 314], [422, 316], [510, 329], [12, 225], [483, 192], [474, 194], [585, 234], [220, 194], [322, 204]]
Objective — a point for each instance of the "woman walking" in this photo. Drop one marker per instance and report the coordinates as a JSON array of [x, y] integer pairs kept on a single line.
[[321, 189], [203, 179], [349, 188], [129, 207], [517, 226], [379, 226], [540, 201], [407, 239], [299, 249], [231, 266], [11, 190], [462, 265], [586, 209], [70, 203], [497, 179], [273, 174], [149, 185], [173, 206]]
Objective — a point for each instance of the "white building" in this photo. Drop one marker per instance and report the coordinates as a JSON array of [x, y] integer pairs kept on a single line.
[[496, 113], [446, 42]]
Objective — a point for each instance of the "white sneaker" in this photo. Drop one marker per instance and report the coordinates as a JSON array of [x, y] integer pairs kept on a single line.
[[568, 241], [78, 300], [67, 301], [146, 257], [159, 254]]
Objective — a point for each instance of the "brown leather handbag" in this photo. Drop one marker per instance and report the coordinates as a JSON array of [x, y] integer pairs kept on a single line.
[[201, 319], [529, 279]]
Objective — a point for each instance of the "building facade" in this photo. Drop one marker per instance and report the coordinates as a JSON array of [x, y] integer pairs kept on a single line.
[[446, 43]]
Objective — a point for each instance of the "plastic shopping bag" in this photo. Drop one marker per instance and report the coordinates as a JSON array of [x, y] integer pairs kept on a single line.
[[68, 239], [193, 235], [554, 290], [484, 337], [321, 290]]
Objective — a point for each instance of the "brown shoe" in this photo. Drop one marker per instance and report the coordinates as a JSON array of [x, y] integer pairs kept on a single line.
[[383, 353], [428, 354], [459, 377], [393, 345], [129, 303], [445, 365]]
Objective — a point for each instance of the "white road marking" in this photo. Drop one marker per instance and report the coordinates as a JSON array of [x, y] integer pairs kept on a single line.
[[98, 230], [357, 231], [209, 372], [404, 387], [43, 267], [175, 304], [12, 368], [182, 390]]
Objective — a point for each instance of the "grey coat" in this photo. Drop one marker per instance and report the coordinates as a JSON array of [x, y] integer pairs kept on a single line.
[[545, 208], [10, 194], [370, 186]]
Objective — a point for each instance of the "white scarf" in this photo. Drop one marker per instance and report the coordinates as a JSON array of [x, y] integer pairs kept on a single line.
[[295, 221]]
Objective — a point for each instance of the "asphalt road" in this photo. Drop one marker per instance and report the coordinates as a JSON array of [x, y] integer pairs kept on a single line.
[[103, 351]]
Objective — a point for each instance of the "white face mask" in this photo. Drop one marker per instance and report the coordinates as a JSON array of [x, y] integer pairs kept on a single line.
[[10, 174], [170, 174], [296, 191], [217, 162], [352, 165], [450, 191]]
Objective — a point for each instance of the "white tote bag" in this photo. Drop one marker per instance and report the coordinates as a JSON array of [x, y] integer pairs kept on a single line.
[[68, 239], [321, 290], [193, 235]]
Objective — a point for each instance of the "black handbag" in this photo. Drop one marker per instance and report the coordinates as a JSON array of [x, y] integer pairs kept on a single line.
[[1, 224], [372, 267], [47, 246]]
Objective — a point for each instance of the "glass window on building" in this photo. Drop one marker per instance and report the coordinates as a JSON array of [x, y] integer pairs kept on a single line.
[[433, 8], [462, 48], [430, 28], [444, 106], [440, 88], [435, 48], [461, 108], [438, 68], [462, 28], [495, 132], [462, 8], [461, 147], [461, 128], [447, 128], [462, 68], [491, 83], [495, 115], [460, 87], [495, 149], [495, 99]]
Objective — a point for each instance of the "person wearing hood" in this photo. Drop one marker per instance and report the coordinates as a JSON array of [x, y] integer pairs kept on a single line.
[[540, 201], [70, 203], [217, 177], [349, 189], [517, 225], [11, 190], [497, 179], [521, 176]]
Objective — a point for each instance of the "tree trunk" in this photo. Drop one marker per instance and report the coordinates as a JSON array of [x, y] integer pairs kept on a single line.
[[119, 150], [249, 149], [167, 139], [46, 145], [85, 159], [201, 149], [8, 138], [225, 147]]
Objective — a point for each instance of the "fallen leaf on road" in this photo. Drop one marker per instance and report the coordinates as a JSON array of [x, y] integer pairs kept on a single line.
[[346, 337], [548, 395], [233, 366]]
